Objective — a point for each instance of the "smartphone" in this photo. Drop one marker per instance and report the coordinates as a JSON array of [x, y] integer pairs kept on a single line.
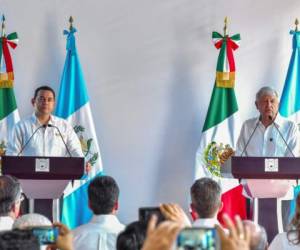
[[46, 235], [198, 238], [145, 214]]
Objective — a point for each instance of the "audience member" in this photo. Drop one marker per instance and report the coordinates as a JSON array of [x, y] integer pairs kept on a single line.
[[206, 202], [133, 237], [102, 231], [291, 238], [18, 240], [10, 200], [259, 240], [31, 220]]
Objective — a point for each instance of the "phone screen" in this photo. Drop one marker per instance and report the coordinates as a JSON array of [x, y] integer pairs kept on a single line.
[[145, 214], [198, 238], [46, 235]]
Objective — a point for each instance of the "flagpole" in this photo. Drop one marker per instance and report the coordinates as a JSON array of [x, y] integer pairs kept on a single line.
[[3, 26], [71, 20], [225, 26]]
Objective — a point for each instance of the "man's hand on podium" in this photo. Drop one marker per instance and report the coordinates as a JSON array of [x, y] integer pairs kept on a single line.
[[88, 167]]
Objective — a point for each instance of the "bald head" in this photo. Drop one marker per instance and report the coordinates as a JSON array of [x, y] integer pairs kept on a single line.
[[259, 239]]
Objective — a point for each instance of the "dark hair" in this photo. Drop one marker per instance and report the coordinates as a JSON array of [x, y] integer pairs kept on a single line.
[[45, 87], [295, 225], [103, 193], [10, 190], [206, 197], [18, 240], [133, 237]]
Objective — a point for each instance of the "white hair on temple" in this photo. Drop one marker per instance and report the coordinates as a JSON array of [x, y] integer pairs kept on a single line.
[[266, 91]]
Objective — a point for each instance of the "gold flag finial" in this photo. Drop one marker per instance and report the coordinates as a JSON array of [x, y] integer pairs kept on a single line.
[[71, 23], [296, 23], [3, 26], [225, 25]]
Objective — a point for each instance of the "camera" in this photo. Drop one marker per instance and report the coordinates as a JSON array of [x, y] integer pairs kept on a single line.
[[46, 235], [198, 238]]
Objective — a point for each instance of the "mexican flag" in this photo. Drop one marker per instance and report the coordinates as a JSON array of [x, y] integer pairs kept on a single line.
[[221, 127], [8, 107]]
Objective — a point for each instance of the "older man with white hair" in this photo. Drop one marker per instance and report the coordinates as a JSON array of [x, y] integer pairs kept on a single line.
[[260, 136], [268, 135], [10, 201]]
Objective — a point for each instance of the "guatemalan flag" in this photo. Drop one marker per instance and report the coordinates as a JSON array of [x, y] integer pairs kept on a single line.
[[73, 105], [289, 106]]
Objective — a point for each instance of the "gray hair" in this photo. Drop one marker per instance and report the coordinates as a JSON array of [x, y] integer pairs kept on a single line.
[[10, 192], [31, 220], [266, 91]]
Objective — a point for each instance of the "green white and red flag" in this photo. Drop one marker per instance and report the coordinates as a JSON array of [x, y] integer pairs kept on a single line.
[[9, 114], [221, 125]]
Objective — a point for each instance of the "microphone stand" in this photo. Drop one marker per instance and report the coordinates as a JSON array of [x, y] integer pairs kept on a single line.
[[259, 119], [53, 126], [275, 125]]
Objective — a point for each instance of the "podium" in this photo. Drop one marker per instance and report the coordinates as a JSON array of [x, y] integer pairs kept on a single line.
[[286, 168], [44, 177], [268, 181]]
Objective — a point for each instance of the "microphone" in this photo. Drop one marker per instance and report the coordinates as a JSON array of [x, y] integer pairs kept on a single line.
[[42, 126], [259, 119], [275, 125], [53, 126]]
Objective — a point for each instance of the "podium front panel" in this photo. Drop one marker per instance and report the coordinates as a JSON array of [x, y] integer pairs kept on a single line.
[[57, 168], [257, 168]]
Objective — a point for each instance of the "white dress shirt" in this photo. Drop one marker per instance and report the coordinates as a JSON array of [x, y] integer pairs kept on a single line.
[[6, 223], [46, 141], [209, 222], [99, 234], [281, 242], [267, 141]]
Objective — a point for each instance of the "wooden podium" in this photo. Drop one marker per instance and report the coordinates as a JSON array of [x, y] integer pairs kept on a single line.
[[44, 177]]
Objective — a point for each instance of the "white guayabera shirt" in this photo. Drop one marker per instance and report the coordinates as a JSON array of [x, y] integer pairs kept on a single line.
[[99, 234], [267, 141], [46, 141]]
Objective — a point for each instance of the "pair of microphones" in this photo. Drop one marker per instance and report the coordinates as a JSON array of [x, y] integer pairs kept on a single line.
[[45, 126], [271, 139]]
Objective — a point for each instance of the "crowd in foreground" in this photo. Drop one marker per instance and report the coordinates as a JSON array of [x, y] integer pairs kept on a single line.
[[105, 231]]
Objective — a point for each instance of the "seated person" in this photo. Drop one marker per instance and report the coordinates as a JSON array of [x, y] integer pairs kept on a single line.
[[133, 237], [10, 201]]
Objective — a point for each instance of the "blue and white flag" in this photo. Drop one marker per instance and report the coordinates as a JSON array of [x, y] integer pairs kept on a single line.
[[289, 105], [290, 99], [73, 105]]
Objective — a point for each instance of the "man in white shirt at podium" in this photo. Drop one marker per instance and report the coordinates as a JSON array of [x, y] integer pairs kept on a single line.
[[39, 134], [43, 134], [268, 135]]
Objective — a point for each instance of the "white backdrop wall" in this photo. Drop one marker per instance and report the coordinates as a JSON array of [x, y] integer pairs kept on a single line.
[[150, 68]]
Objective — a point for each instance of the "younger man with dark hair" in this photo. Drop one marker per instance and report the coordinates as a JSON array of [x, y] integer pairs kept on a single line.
[[206, 202], [102, 231]]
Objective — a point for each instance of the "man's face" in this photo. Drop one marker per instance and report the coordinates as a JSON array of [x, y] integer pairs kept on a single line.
[[44, 102], [267, 106]]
